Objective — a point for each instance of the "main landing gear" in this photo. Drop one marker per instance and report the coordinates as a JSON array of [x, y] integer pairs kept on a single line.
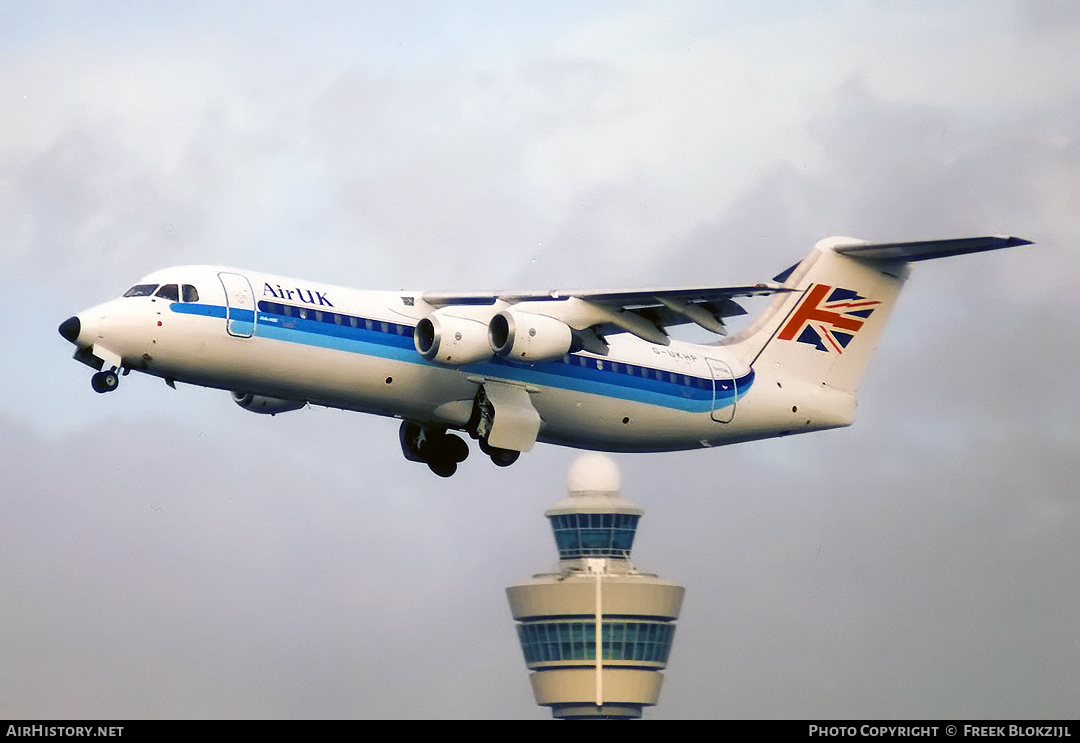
[[501, 457], [105, 381], [442, 452]]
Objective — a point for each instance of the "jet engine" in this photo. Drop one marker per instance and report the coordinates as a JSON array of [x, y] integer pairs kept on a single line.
[[526, 337], [265, 405], [452, 339]]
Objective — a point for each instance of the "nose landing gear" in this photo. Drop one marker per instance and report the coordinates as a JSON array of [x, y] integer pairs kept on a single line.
[[105, 381]]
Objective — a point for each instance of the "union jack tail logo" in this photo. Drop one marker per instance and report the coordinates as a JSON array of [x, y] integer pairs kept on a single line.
[[828, 318]]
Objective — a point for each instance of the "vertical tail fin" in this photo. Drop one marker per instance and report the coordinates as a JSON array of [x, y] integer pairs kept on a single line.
[[824, 331]]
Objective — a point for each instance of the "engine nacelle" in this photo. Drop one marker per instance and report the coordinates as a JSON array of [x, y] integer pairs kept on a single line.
[[265, 405], [452, 339], [526, 337]]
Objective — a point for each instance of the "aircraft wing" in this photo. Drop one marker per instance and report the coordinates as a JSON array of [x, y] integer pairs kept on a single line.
[[643, 312], [647, 313]]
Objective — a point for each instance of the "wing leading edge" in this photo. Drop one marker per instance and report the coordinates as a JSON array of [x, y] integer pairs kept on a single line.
[[643, 312]]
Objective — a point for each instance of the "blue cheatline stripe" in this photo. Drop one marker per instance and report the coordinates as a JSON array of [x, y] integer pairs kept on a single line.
[[206, 310], [574, 372]]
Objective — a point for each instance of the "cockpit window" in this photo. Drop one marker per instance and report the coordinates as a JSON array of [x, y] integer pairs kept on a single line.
[[141, 290], [168, 291], [191, 294]]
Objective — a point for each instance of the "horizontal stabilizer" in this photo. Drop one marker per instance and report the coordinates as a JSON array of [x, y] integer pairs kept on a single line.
[[923, 250]]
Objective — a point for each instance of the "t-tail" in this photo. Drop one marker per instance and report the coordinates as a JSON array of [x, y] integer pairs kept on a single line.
[[810, 346]]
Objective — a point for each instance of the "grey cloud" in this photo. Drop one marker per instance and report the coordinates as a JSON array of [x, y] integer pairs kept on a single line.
[[140, 590]]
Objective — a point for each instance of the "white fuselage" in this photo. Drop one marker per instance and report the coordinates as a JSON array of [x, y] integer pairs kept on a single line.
[[589, 369], [338, 347]]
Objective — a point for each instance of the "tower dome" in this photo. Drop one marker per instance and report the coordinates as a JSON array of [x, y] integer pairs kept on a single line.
[[594, 520]]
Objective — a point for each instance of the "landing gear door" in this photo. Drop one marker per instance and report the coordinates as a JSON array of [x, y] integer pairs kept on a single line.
[[239, 305], [725, 391], [515, 423]]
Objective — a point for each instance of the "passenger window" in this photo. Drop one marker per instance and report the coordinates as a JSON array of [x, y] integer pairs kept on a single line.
[[191, 294], [168, 291], [141, 290]]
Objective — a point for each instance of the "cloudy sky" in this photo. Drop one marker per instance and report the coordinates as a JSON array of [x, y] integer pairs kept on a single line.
[[166, 554]]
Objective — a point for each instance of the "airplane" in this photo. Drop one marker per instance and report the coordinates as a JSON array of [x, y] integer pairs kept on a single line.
[[587, 369]]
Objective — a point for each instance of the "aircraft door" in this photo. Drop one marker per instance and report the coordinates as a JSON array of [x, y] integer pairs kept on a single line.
[[239, 304], [725, 390]]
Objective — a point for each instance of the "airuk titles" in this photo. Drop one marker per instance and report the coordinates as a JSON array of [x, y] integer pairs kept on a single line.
[[307, 296]]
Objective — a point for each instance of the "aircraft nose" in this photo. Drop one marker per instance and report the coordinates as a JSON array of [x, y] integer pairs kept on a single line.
[[70, 329]]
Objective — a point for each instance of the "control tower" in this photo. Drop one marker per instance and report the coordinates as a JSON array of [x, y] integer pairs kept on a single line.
[[596, 631]]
